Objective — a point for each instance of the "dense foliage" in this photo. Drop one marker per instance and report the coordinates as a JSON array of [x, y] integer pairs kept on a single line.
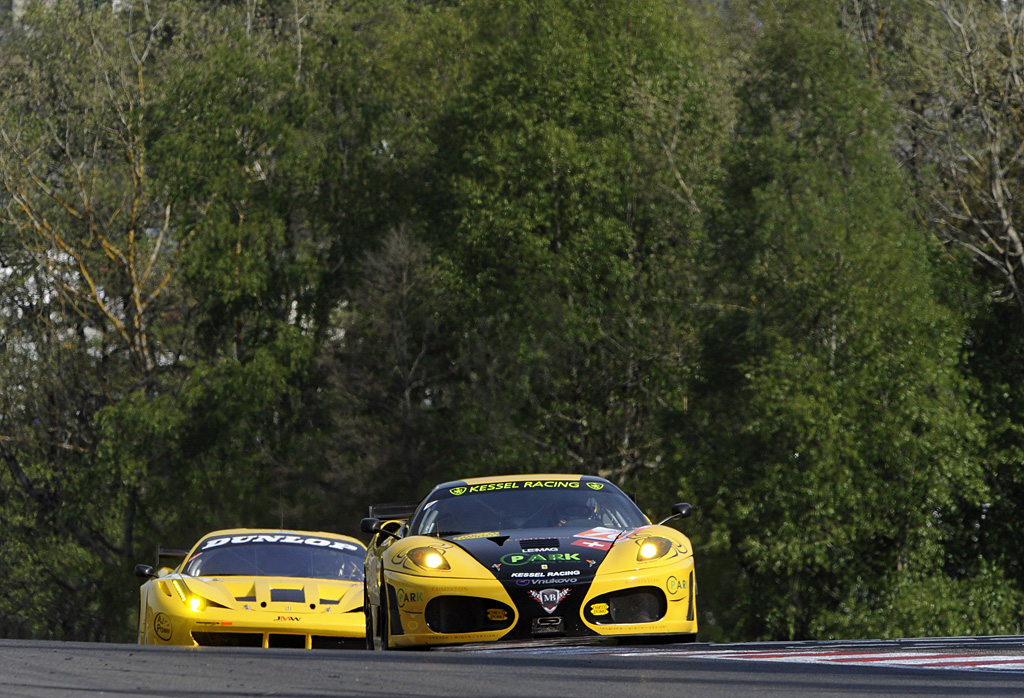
[[263, 263]]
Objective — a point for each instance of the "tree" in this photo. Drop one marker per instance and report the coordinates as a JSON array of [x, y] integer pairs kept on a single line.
[[557, 210], [968, 129], [94, 243], [849, 454]]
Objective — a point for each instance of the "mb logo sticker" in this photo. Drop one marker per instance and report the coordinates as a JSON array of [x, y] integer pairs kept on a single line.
[[595, 485], [457, 490], [549, 598]]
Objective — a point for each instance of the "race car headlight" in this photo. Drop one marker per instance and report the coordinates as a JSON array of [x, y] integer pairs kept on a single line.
[[429, 558], [653, 548], [194, 603]]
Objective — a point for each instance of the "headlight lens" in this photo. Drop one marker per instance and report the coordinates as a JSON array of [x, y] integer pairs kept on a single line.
[[194, 603], [653, 548], [429, 558]]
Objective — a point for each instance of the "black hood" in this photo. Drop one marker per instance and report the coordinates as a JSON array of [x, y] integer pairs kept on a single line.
[[540, 556]]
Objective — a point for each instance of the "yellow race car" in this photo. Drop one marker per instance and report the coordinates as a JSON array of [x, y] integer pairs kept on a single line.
[[526, 557], [257, 588]]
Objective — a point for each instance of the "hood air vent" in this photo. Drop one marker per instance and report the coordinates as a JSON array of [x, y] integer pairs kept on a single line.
[[535, 543]]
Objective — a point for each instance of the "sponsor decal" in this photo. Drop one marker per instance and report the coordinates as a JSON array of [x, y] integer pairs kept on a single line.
[[497, 614], [162, 626], [599, 609], [593, 544], [472, 536], [549, 598], [541, 581], [595, 485], [290, 619], [673, 586], [296, 540], [520, 485], [532, 558], [600, 533], [562, 573], [405, 597]]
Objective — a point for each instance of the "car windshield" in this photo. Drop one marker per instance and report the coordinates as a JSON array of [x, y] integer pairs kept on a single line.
[[277, 556], [552, 504]]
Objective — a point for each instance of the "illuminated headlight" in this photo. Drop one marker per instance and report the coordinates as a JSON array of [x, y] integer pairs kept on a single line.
[[653, 548], [429, 558], [194, 603]]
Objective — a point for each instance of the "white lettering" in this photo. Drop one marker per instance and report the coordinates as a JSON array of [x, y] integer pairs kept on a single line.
[[215, 542], [344, 546], [266, 538]]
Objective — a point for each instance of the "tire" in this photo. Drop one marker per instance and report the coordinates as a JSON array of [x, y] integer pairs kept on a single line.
[[368, 612], [384, 623]]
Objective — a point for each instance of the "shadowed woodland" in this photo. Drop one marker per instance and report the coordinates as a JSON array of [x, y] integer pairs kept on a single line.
[[263, 263]]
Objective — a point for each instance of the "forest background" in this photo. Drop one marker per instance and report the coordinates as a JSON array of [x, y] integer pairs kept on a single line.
[[264, 263]]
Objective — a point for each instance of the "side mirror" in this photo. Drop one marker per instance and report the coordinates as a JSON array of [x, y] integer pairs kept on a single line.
[[682, 510], [679, 511], [376, 527], [370, 525], [144, 571]]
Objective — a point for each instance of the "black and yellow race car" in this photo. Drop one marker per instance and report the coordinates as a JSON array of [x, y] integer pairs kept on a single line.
[[526, 557]]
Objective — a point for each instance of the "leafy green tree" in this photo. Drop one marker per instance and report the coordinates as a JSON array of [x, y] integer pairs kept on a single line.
[[850, 451], [168, 239], [570, 176], [950, 66], [93, 247]]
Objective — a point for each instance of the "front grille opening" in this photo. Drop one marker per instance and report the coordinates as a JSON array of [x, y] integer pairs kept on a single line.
[[467, 614], [639, 605], [326, 642], [204, 639], [286, 595], [286, 641], [536, 543]]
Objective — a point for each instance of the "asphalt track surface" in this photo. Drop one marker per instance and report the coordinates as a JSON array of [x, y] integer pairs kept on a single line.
[[938, 667]]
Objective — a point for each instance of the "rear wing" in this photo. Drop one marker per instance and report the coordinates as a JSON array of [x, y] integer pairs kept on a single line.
[[170, 557], [392, 512]]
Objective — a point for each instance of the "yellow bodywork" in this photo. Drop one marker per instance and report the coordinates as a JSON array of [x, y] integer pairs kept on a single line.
[[179, 609]]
